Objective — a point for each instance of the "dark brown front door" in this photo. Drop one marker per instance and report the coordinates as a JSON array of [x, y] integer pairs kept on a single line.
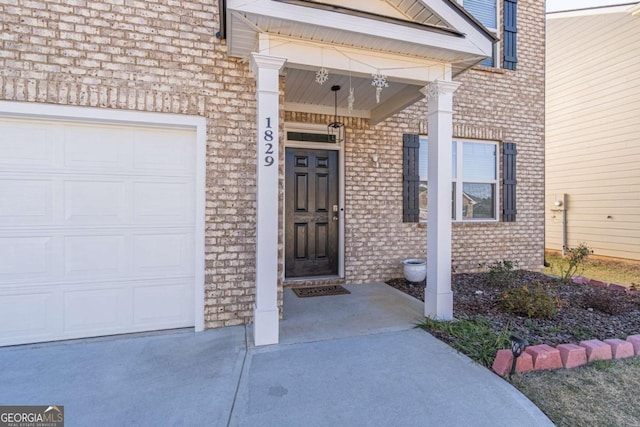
[[311, 213]]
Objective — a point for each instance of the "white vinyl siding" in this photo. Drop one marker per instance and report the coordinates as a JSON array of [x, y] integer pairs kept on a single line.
[[593, 132]]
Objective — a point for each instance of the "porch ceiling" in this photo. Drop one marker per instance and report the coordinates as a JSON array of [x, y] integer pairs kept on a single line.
[[412, 43], [303, 94]]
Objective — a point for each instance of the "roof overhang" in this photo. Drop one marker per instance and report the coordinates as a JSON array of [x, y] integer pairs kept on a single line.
[[411, 46]]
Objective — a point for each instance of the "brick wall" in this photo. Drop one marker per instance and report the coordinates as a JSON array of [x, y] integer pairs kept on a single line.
[[498, 105], [156, 56], [163, 56]]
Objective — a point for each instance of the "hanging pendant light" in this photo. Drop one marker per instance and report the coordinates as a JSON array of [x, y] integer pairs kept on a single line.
[[335, 129]]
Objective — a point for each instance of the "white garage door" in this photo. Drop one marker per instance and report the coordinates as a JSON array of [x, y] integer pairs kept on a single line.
[[96, 229]]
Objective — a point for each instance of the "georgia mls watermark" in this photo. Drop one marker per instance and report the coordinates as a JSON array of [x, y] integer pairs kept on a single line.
[[32, 416]]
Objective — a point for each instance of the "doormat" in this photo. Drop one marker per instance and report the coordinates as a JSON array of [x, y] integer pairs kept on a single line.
[[320, 291]]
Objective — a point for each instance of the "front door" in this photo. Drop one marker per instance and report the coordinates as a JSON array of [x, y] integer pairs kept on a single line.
[[311, 213]]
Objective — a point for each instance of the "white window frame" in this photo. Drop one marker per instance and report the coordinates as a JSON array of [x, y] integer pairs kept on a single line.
[[458, 180], [497, 63]]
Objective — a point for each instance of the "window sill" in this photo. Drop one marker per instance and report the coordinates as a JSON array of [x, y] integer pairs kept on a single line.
[[466, 224], [486, 69]]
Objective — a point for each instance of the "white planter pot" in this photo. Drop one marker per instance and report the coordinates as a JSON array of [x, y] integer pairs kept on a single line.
[[415, 269]]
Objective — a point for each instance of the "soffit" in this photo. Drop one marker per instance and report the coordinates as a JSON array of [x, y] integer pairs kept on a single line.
[[426, 43]]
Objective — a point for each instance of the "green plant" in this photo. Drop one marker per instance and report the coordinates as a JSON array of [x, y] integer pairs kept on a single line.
[[573, 261], [470, 336], [530, 301], [501, 273], [579, 333]]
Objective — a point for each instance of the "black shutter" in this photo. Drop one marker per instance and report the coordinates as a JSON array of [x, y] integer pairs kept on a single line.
[[510, 34], [509, 182], [411, 178]]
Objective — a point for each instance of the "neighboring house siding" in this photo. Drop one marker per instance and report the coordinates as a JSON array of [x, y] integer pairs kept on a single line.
[[164, 57], [593, 130]]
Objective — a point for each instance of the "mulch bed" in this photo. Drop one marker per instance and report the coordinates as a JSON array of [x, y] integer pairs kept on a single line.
[[586, 313]]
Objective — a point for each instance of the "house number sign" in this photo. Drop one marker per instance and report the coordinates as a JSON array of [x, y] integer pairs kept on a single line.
[[267, 139]]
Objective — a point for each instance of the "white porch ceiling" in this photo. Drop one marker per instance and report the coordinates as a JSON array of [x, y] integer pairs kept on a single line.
[[408, 41], [302, 93]]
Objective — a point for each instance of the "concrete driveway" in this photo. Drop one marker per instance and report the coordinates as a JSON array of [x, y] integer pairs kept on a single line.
[[387, 375]]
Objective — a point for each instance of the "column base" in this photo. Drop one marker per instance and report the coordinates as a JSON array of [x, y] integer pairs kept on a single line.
[[438, 306], [266, 328]]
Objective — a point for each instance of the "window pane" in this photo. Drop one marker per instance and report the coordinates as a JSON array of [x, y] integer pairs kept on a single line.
[[453, 200], [422, 199], [454, 166], [479, 161], [483, 10], [423, 163], [487, 62], [478, 201], [423, 159]]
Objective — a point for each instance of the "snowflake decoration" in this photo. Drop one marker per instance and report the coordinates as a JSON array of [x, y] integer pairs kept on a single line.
[[380, 82], [322, 75], [351, 99]]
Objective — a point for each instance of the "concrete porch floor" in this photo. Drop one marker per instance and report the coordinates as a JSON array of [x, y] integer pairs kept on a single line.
[[348, 360], [372, 308]]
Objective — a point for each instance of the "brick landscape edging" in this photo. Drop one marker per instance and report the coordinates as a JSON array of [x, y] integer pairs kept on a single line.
[[580, 280], [542, 356]]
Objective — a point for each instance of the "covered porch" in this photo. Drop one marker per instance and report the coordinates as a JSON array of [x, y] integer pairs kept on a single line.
[[385, 57]]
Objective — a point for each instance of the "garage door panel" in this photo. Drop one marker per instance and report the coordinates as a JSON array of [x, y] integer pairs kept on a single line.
[[98, 148], [169, 304], [96, 310], [24, 201], [25, 257], [97, 256], [162, 202], [166, 254], [97, 229], [94, 202], [170, 151], [25, 314], [25, 143]]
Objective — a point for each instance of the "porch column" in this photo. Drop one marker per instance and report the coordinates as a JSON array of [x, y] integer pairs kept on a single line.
[[265, 312], [438, 301]]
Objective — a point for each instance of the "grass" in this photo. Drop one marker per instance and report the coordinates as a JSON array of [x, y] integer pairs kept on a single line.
[[609, 270], [470, 336], [599, 394], [602, 393]]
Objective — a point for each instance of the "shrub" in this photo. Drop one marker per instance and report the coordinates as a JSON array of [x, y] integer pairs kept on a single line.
[[530, 301], [501, 273], [573, 261]]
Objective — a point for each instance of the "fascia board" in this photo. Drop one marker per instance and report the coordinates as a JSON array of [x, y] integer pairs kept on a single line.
[[342, 22], [311, 56]]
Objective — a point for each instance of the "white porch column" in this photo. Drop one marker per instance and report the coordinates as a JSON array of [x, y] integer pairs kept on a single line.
[[265, 313], [438, 301]]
